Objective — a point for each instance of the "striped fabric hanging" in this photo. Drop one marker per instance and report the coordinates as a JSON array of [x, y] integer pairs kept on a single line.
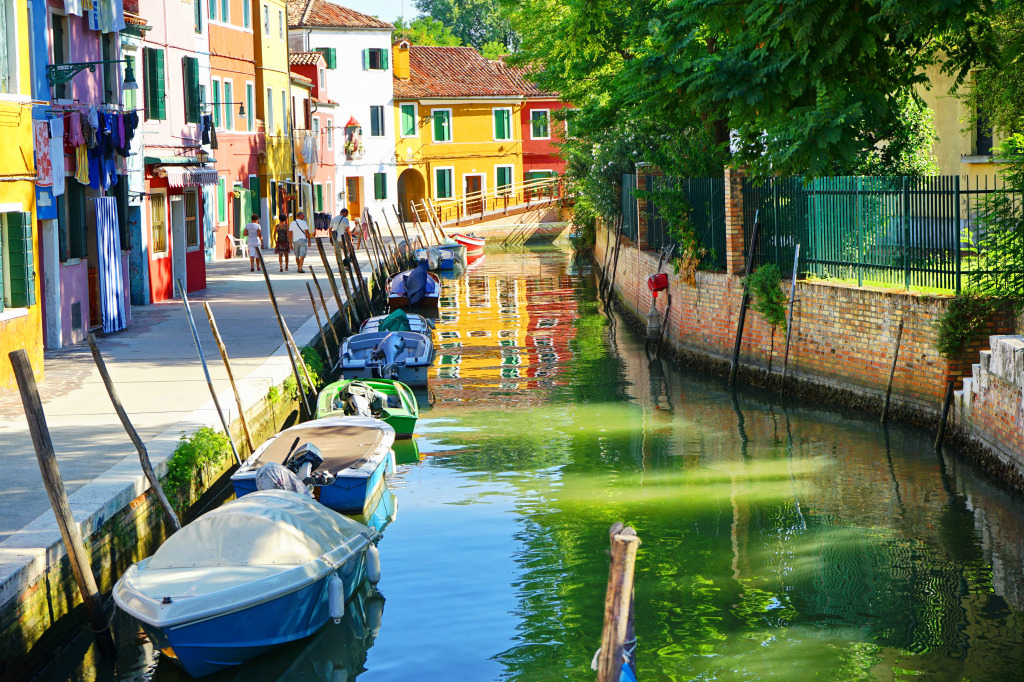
[[108, 241]]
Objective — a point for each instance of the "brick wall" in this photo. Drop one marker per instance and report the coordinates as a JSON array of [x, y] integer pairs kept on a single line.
[[842, 336]]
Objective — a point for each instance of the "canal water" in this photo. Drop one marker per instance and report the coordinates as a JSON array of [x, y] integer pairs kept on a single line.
[[781, 540]]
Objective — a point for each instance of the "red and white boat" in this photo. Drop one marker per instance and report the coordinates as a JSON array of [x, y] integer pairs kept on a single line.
[[473, 244]]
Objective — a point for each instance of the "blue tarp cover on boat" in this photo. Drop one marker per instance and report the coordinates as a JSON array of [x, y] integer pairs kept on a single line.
[[416, 283]]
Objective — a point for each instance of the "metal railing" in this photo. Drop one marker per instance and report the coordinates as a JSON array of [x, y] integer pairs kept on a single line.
[[706, 200], [497, 201]]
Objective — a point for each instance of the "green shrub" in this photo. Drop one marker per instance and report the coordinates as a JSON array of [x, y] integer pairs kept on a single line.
[[765, 285], [273, 395], [964, 316], [316, 366], [290, 388], [195, 454]]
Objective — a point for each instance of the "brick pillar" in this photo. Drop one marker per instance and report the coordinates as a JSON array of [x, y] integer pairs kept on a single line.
[[642, 170], [735, 258]]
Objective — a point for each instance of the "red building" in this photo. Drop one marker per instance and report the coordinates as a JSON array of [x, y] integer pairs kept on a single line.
[[540, 129]]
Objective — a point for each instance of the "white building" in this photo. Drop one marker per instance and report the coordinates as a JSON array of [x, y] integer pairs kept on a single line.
[[357, 48]]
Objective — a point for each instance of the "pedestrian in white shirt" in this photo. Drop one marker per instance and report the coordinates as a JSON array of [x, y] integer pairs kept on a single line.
[[340, 225], [299, 233], [253, 238]]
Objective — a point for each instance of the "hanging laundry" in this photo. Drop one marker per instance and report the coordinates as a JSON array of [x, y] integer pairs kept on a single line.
[[213, 136], [73, 7], [92, 16], [108, 265], [87, 4], [111, 15], [82, 164], [88, 130], [57, 154], [44, 167], [131, 124], [205, 127]]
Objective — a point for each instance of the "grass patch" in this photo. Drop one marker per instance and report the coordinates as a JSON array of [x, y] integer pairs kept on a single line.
[[195, 455]]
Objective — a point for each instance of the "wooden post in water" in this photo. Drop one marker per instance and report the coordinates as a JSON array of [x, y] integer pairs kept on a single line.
[[59, 501], [206, 370], [892, 372], [341, 254], [231, 377], [405, 233], [734, 368], [346, 329], [789, 316], [302, 360], [394, 240], [359, 273], [419, 225], [319, 324], [617, 602], [435, 220], [327, 313], [284, 332], [133, 435], [945, 413]]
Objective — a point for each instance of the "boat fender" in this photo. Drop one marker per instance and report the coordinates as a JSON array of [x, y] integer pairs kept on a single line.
[[336, 598], [374, 614], [391, 461], [373, 564]]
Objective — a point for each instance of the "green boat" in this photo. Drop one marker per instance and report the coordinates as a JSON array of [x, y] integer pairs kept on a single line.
[[390, 401]]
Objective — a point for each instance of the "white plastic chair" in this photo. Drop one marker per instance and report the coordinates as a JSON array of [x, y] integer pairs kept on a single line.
[[238, 246]]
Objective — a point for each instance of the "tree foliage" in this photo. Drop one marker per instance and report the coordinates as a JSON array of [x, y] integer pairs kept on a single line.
[[474, 22], [997, 90], [426, 31]]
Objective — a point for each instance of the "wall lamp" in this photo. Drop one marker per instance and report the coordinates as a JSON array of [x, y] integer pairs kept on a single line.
[[241, 107], [58, 74]]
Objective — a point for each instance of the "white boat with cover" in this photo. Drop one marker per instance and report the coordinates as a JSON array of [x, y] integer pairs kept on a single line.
[[403, 356]]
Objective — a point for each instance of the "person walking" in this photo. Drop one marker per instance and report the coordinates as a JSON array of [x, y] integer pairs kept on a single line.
[[253, 239], [299, 233], [340, 224], [281, 244]]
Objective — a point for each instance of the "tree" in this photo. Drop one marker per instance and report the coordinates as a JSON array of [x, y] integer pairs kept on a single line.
[[997, 91], [474, 22], [426, 31], [494, 50]]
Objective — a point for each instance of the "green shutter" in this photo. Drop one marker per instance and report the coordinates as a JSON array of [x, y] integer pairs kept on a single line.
[[78, 246], [222, 200], [150, 81], [384, 63], [197, 6], [408, 120], [501, 124], [366, 59], [190, 70], [254, 189], [320, 198], [21, 261], [213, 8], [330, 56], [444, 184], [380, 186], [442, 129], [155, 105]]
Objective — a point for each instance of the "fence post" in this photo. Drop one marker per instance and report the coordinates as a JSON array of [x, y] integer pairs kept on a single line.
[[734, 243], [958, 223], [643, 180], [860, 233], [905, 212]]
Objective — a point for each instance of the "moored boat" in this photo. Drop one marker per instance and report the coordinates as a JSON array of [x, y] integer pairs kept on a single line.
[[354, 455], [472, 243], [437, 258], [413, 288], [258, 572], [405, 356], [398, 320], [386, 399]]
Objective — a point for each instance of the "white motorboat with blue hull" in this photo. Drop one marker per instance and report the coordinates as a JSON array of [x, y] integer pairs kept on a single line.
[[356, 456], [437, 259], [417, 323], [269, 568], [403, 356]]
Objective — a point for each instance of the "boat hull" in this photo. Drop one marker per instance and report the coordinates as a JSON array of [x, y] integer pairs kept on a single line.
[[402, 419], [411, 375], [474, 245], [214, 644]]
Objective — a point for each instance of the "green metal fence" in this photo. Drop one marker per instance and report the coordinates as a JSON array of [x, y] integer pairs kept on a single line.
[[887, 231], [629, 209], [706, 199]]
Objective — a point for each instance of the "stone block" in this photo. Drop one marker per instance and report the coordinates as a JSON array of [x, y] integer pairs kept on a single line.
[[985, 359], [975, 377], [968, 393]]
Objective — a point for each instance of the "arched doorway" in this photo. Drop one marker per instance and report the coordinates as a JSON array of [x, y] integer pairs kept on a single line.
[[411, 187]]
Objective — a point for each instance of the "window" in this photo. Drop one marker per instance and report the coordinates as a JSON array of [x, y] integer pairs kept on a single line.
[[217, 121], [60, 50], [225, 11], [982, 133], [442, 125], [222, 200], [9, 49], [376, 121], [284, 112], [375, 59], [319, 198], [213, 10], [191, 220], [280, 24], [190, 74], [197, 8], [330, 56], [229, 111], [539, 124], [316, 128], [380, 185], [266, 20], [330, 135], [246, 14], [254, 193], [330, 196], [270, 111], [503, 177], [157, 221], [108, 49], [502, 123], [443, 183], [323, 78], [408, 123], [250, 104], [153, 60], [17, 264], [71, 223]]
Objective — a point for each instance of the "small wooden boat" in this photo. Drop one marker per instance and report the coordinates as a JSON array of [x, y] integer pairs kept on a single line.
[[472, 243], [354, 456], [398, 296], [416, 323], [405, 356], [393, 402], [260, 571], [437, 258]]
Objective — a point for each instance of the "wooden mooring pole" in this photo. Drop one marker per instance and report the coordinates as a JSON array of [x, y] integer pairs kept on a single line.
[[735, 366], [59, 501], [789, 316], [343, 312], [327, 313], [133, 435], [618, 603], [319, 324], [231, 376], [945, 414], [206, 370], [892, 372]]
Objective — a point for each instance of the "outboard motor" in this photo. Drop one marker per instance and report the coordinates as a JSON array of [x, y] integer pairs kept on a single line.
[[358, 405], [304, 461], [384, 356], [273, 476]]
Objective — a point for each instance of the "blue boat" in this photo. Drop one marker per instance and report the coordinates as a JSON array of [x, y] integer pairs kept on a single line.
[[437, 259], [269, 568], [354, 456]]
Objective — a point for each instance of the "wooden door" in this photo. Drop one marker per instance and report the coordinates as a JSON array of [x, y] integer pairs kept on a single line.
[[353, 197], [474, 199]]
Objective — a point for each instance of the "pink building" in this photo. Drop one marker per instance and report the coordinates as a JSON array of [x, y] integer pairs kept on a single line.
[[321, 112]]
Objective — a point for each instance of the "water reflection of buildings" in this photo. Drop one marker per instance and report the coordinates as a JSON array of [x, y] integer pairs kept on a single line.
[[502, 334]]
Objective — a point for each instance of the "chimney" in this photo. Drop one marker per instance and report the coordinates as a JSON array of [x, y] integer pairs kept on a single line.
[[401, 51]]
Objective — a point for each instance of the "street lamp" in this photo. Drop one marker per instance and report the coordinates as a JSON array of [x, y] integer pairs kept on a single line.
[[58, 74]]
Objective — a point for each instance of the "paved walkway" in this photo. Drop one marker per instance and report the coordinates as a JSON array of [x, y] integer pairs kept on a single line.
[[157, 374]]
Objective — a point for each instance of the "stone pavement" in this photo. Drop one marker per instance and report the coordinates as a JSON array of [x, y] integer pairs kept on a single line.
[[158, 377]]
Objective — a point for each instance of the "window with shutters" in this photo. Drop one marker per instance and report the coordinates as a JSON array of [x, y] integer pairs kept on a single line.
[[442, 125], [408, 115], [539, 125], [17, 262], [250, 106], [375, 59], [503, 179], [380, 185], [443, 183], [229, 108], [376, 121], [59, 28], [246, 14], [266, 20], [8, 49], [330, 56], [191, 220], [330, 135], [216, 102], [153, 61], [190, 73], [71, 222], [502, 123], [157, 221], [213, 9], [225, 11], [270, 111], [319, 198], [280, 24], [222, 200]]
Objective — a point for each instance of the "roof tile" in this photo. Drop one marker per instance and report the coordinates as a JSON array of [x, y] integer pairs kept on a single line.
[[454, 72], [329, 15], [304, 58]]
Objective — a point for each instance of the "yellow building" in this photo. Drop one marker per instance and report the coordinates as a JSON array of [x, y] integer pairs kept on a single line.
[[20, 296], [273, 86], [458, 140]]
